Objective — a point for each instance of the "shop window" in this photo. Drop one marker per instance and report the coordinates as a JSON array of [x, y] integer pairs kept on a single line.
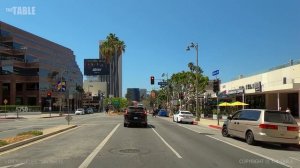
[[19, 87]]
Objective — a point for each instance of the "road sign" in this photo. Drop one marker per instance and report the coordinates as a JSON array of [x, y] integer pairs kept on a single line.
[[5, 101], [162, 83], [68, 118], [216, 72]]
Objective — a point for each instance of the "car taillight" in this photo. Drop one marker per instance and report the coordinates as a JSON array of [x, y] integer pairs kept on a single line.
[[291, 128], [268, 126], [145, 112]]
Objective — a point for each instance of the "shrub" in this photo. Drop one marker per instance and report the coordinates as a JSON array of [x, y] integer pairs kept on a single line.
[[3, 143], [34, 132]]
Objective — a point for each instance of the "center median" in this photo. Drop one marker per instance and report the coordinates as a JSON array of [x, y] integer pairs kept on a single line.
[[46, 133]]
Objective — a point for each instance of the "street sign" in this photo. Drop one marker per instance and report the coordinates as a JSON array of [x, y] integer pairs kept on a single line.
[[116, 103], [68, 118], [216, 72], [5, 101], [162, 83]]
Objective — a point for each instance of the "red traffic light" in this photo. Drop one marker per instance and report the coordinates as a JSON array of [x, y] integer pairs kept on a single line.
[[152, 80]]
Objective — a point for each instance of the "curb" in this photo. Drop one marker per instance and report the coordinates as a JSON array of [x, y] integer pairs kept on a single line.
[[215, 126], [26, 141]]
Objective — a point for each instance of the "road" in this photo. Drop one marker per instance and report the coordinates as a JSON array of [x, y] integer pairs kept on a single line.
[[102, 141]]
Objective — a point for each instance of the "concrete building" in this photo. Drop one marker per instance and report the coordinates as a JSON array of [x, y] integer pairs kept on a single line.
[[32, 66], [277, 88]]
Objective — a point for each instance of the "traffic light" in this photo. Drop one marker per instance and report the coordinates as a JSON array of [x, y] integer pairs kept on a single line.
[[49, 94], [152, 80], [216, 85]]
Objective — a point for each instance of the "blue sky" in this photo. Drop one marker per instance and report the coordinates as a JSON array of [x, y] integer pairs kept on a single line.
[[234, 36]]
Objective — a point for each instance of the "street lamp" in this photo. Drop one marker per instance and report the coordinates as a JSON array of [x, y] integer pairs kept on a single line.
[[195, 45], [61, 90]]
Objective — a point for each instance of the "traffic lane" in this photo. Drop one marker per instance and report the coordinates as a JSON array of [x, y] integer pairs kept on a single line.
[[68, 149], [289, 156], [199, 149], [135, 147]]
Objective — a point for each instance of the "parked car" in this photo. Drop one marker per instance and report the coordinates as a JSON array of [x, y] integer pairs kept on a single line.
[[79, 111], [183, 116], [135, 115], [89, 111], [262, 125], [163, 112]]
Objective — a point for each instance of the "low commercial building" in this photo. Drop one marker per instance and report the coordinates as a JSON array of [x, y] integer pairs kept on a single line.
[[277, 88], [32, 67]]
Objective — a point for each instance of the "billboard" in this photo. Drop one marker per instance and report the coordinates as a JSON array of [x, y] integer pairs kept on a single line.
[[95, 67]]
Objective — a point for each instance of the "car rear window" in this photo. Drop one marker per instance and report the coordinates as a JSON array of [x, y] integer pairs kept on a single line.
[[186, 113], [135, 109], [279, 117]]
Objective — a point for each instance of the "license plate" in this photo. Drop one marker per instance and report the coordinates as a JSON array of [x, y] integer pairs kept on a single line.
[[282, 128], [135, 118]]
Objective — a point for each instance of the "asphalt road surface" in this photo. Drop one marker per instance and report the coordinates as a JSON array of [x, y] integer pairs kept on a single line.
[[102, 141]]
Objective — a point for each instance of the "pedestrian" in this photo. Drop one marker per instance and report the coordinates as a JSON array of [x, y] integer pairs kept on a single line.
[[288, 110], [106, 109]]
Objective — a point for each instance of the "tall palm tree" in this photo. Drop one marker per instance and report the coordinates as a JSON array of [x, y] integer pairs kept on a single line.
[[112, 49]]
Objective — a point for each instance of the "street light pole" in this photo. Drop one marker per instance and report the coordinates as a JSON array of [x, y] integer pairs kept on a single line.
[[61, 98], [195, 45]]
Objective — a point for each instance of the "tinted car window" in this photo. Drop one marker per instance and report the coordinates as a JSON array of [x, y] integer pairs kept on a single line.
[[252, 115], [279, 117], [236, 115], [186, 113], [135, 109]]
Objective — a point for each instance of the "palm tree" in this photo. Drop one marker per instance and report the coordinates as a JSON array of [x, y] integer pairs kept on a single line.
[[112, 49]]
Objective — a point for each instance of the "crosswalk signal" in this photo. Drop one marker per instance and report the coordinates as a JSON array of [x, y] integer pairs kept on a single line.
[[152, 80], [216, 85]]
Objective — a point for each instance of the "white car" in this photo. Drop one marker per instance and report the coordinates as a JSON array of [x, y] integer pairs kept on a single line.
[[183, 116], [79, 111]]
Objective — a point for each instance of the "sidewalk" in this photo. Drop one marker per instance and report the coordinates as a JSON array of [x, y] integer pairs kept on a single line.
[[209, 122]]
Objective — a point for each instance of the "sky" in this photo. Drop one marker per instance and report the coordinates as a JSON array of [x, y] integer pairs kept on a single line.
[[236, 37]]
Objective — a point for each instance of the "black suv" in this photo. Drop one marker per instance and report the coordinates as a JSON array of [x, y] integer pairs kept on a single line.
[[135, 115]]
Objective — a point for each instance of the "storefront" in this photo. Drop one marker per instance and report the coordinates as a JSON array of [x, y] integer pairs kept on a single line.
[[276, 89]]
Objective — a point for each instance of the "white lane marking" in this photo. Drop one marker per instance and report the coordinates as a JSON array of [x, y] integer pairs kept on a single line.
[[172, 149], [191, 129], [15, 165], [295, 159], [263, 156], [89, 159], [43, 139]]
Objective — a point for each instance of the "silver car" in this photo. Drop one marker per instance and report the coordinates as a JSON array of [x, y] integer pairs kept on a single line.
[[262, 125]]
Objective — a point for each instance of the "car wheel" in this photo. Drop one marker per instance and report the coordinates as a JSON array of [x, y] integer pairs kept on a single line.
[[225, 132], [125, 125], [177, 119], [145, 125], [250, 138], [285, 145]]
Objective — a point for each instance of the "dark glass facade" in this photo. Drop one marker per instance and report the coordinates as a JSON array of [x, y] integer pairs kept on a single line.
[[31, 66]]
